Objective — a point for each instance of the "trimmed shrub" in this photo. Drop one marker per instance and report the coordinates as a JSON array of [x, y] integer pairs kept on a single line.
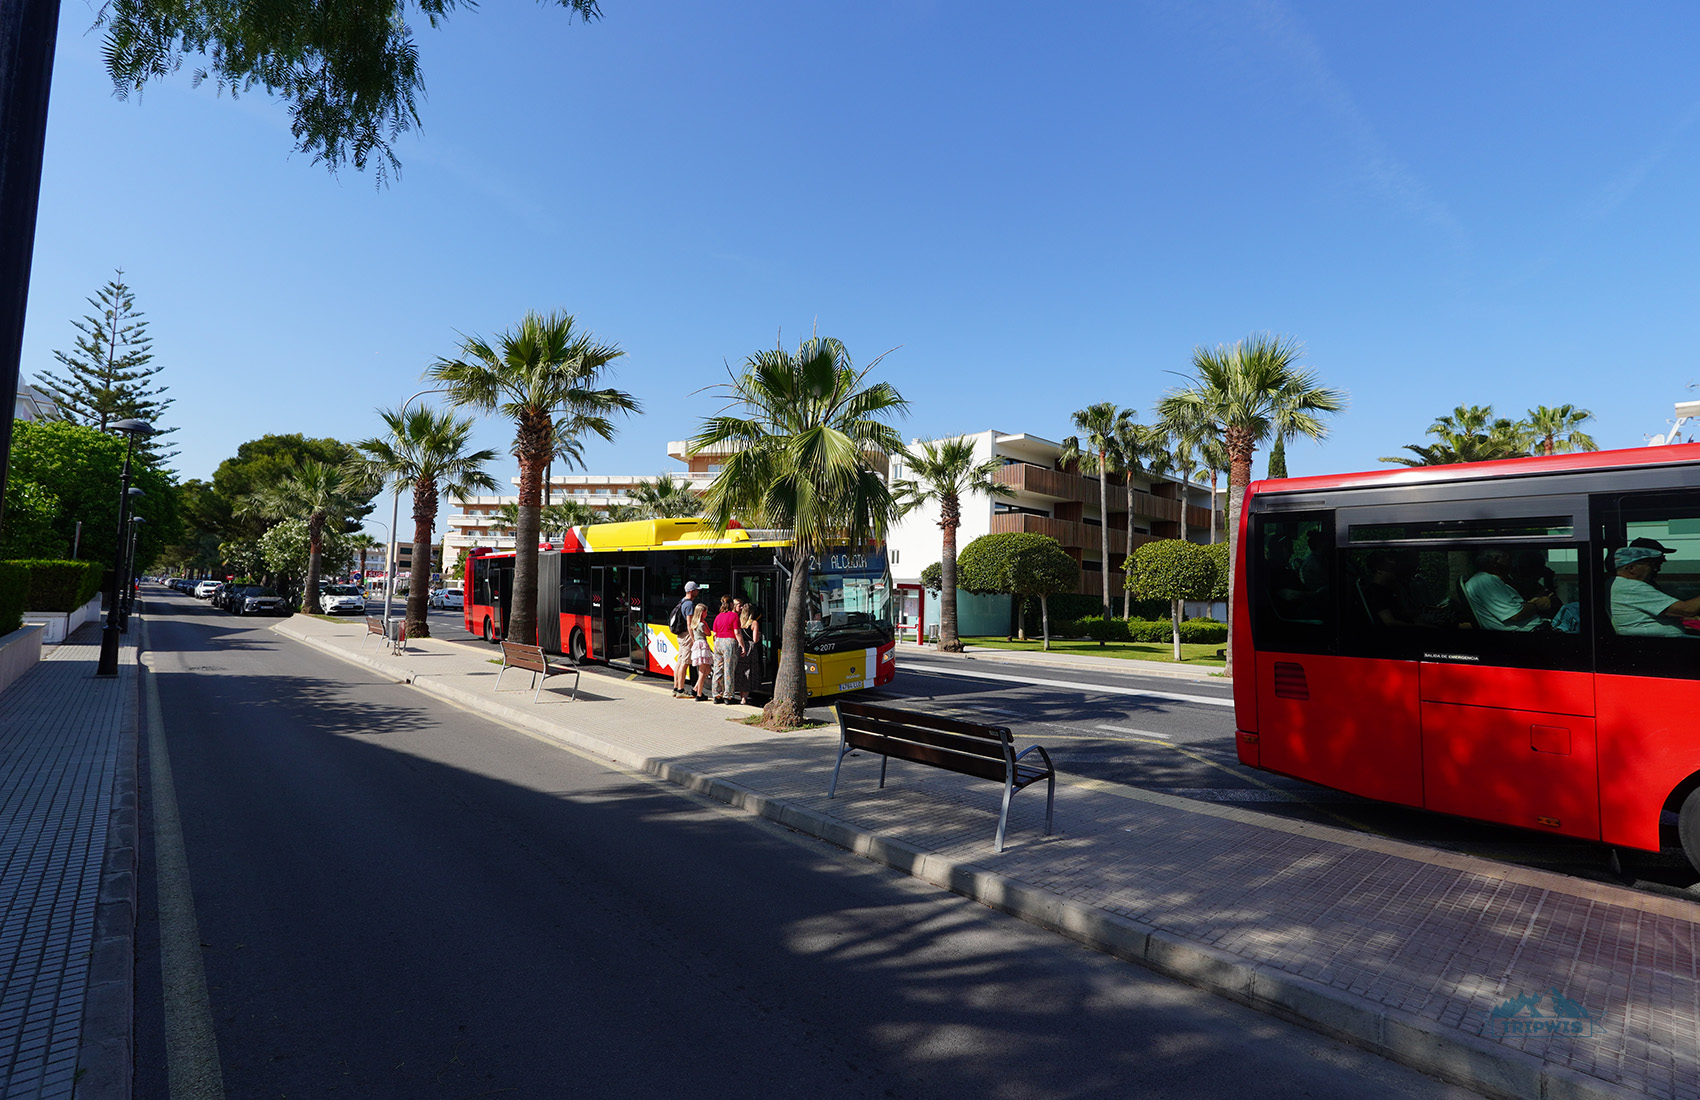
[[1150, 630], [14, 578], [59, 585], [1204, 631]]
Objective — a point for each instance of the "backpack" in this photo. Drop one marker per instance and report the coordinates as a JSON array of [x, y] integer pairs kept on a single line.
[[676, 622]]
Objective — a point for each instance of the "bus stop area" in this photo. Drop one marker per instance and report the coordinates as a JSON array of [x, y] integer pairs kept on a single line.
[[1513, 981]]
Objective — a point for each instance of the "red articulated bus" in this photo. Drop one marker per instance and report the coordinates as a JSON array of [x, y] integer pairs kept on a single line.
[[609, 592], [1515, 642]]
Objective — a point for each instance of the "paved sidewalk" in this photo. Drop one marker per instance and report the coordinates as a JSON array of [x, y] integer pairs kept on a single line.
[[67, 874], [1513, 981]]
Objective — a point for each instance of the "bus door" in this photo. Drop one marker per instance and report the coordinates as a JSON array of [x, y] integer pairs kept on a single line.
[[1328, 711], [636, 629], [1490, 598], [761, 588], [598, 614]]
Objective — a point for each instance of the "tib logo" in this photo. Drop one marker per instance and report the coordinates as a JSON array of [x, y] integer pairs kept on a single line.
[[1550, 1013]]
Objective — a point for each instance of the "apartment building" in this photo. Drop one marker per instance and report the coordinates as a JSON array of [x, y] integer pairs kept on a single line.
[[474, 521], [34, 404], [1046, 500]]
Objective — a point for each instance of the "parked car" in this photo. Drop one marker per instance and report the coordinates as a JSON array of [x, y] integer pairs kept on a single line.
[[449, 598], [255, 600], [341, 599], [205, 589]]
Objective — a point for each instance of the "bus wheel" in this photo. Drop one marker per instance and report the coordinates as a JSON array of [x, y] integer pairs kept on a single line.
[[575, 645], [487, 637], [1688, 827]]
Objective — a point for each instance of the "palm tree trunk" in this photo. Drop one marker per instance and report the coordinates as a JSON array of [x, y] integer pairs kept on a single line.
[[533, 447], [790, 686], [1212, 507], [1183, 510], [949, 642], [315, 547], [1127, 593], [419, 577], [1239, 446], [1103, 532]]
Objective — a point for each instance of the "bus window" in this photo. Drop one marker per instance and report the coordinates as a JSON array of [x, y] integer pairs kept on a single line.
[[1511, 603], [1293, 560], [1651, 597], [575, 585]]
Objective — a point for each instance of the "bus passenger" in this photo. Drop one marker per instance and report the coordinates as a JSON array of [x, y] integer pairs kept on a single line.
[[725, 651], [1499, 606], [701, 655], [1637, 607]]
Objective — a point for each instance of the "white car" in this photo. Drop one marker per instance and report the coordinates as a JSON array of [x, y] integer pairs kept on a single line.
[[205, 589], [447, 598], [341, 599]]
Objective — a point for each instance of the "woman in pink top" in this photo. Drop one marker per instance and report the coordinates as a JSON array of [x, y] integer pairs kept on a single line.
[[725, 651]]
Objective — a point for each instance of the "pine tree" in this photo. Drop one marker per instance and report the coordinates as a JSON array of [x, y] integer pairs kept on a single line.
[[108, 375]]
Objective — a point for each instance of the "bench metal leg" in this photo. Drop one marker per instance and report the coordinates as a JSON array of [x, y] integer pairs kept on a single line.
[[538, 682], [1003, 818], [843, 749], [499, 676], [1050, 800]]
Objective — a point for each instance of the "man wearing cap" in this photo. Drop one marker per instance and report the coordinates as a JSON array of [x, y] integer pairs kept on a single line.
[[1639, 609], [682, 666]]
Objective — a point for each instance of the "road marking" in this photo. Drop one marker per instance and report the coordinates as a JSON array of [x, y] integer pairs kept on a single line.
[[1136, 733], [191, 1047], [1179, 697]]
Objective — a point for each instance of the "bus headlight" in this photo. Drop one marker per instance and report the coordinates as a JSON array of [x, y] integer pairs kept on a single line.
[[888, 656], [810, 668]]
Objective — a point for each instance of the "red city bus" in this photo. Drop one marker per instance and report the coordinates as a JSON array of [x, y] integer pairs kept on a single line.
[[1461, 639], [608, 594]]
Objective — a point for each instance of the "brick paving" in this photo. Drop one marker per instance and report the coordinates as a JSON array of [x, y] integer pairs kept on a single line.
[[1402, 949], [62, 740]]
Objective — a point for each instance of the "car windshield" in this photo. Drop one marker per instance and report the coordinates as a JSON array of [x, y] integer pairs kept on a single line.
[[451, 591], [343, 590], [849, 600], [261, 592]]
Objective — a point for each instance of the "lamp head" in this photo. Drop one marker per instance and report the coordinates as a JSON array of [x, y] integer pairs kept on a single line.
[[136, 491], [131, 427]]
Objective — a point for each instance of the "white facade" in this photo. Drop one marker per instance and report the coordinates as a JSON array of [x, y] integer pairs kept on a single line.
[[33, 404]]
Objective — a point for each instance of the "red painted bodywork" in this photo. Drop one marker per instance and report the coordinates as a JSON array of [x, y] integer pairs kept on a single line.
[[1574, 753]]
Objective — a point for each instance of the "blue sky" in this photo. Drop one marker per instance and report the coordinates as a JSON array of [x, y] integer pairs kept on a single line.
[[1038, 206]]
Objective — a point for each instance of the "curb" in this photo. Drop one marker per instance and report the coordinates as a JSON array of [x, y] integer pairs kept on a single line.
[[1454, 1057], [1078, 661], [106, 1049]]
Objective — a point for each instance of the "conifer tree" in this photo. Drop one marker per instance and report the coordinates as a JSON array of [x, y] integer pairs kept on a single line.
[[108, 375]]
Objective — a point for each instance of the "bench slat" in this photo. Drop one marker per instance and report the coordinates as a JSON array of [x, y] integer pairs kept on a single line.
[[977, 766], [911, 718], [992, 747]]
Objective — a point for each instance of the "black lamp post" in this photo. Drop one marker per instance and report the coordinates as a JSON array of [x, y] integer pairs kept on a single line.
[[130, 571], [114, 621]]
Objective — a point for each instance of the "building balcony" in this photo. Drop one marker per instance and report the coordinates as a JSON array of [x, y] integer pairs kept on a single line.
[[1072, 536], [1024, 477]]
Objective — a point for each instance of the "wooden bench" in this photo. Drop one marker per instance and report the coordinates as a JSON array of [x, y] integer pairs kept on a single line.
[[986, 752], [531, 659]]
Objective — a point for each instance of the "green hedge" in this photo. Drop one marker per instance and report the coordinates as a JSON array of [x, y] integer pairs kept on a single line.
[[1147, 630], [1070, 607], [14, 580], [59, 585]]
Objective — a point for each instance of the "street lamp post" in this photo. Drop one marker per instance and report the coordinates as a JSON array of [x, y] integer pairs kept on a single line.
[[108, 665], [130, 572], [395, 509]]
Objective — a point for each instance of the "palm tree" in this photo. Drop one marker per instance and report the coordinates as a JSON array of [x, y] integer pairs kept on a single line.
[[1559, 430], [1136, 445], [803, 432], [364, 544], [558, 519], [1470, 433], [665, 498], [1242, 394], [426, 450], [540, 371], [941, 472], [1098, 423], [318, 492], [508, 516], [1214, 454]]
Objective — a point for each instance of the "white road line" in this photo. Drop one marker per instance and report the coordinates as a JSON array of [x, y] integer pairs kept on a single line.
[[1136, 733], [191, 1048], [1179, 697]]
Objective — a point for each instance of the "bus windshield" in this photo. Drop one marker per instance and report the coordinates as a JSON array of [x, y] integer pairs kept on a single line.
[[849, 600]]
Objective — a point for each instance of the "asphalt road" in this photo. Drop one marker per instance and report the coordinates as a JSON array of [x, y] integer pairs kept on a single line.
[[1177, 736], [395, 898]]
